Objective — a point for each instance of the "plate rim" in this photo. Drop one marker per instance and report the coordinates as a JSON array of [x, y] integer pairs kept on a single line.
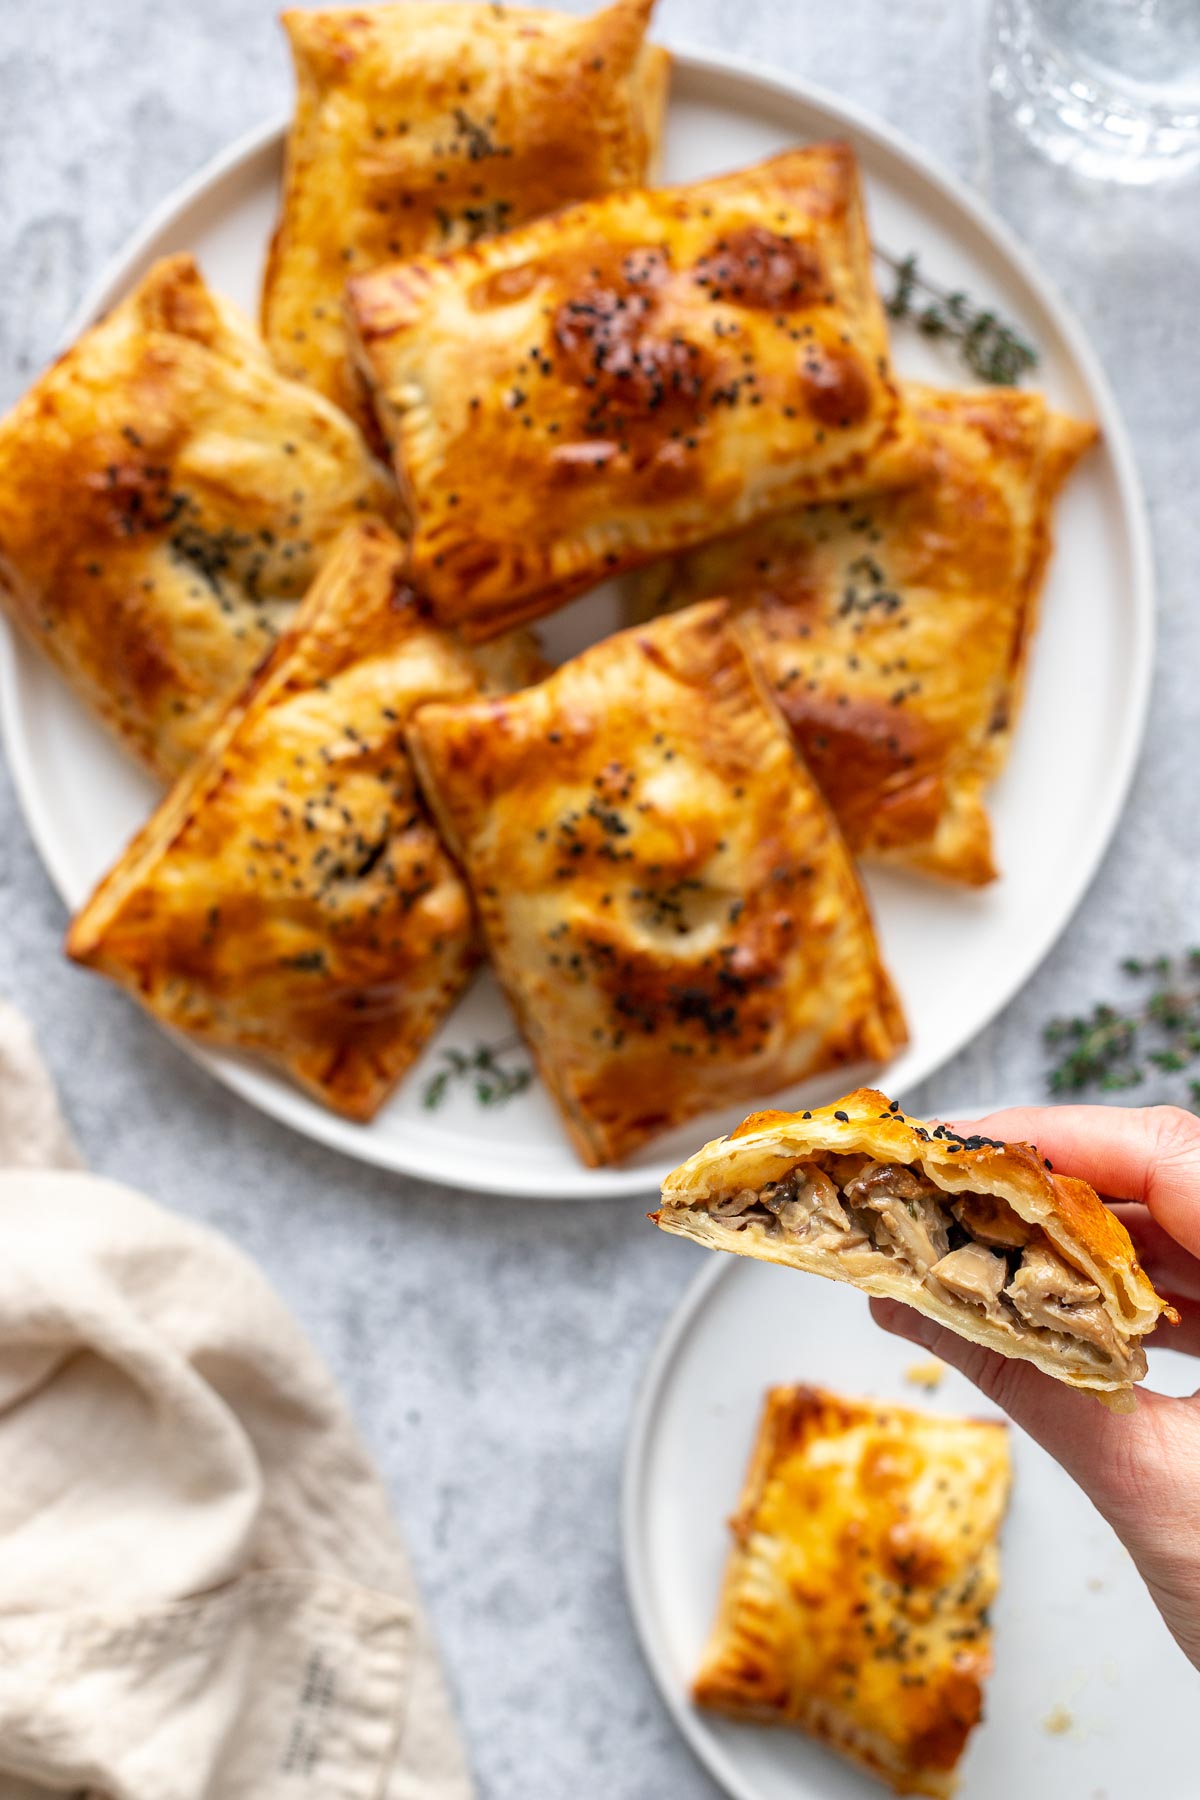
[[687, 1719], [304, 1116]]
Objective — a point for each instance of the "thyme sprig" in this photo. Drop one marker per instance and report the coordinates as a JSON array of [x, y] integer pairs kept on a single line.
[[495, 1079], [990, 348], [1113, 1047]]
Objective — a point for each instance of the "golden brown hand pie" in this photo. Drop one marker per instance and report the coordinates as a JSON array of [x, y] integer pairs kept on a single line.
[[290, 896], [422, 126], [667, 901], [165, 499], [894, 631], [630, 378], [856, 1595], [979, 1235]]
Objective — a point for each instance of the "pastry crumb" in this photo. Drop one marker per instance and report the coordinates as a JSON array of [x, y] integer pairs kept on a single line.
[[1058, 1721], [1096, 1585], [927, 1374]]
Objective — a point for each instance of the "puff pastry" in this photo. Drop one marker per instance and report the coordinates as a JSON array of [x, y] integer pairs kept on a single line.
[[667, 902], [422, 126], [979, 1235], [165, 499], [290, 896], [894, 631], [632, 377], [855, 1600]]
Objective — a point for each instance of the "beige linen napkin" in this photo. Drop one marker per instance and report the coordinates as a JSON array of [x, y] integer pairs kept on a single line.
[[202, 1594]]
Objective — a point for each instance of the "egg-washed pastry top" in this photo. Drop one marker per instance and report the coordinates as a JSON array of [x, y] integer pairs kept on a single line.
[[978, 1235], [855, 1602], [631, 377], [290, 896], [894, 631], [666, 900], [166, 497], [421, 126]]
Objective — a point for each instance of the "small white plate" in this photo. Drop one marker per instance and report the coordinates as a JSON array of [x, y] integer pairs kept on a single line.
[[1055, 808], [1076, 1634]]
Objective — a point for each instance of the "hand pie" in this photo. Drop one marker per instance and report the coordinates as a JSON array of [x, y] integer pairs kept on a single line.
[[666, 900], [290, 896], [976, 1234], [894, 631], [423, 126], [165, 499], [855, 1603], [632, 377]]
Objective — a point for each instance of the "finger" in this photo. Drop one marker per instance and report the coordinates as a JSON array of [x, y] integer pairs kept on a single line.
[[1170, 1267], [1151, 1154], [1091, 1443]]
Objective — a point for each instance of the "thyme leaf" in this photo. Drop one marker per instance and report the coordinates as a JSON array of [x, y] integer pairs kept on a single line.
[[1111, 1047], [993, 350], [495, 1080]]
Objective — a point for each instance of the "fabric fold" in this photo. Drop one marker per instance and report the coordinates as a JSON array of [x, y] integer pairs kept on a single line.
[[202, 1593]]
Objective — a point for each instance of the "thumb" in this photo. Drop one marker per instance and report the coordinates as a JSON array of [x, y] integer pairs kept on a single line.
[[1096, 1447]]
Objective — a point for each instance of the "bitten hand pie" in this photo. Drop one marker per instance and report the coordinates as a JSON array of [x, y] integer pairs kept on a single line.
[[976, 1234], [894, 631], [665, 897], [290, 896], [855, 1603], [420, 127], [165, 499], [630, 378]]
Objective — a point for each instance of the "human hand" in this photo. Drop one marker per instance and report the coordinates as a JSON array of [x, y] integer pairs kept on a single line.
[[1141, 1470]]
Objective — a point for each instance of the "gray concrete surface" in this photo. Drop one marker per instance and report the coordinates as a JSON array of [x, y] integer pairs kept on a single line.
[[491, 1350]]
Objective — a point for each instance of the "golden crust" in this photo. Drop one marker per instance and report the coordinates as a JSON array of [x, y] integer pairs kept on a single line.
[[628, 378], [1074, 1218], [420, 127], [668, 905], [165, 499], [856, 1595], [290, 896], [894, 633]]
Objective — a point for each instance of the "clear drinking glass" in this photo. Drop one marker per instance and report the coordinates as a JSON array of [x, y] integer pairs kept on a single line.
[[1110, 87]]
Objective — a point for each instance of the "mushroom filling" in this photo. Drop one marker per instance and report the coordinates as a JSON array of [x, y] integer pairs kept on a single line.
[[969, 1249]]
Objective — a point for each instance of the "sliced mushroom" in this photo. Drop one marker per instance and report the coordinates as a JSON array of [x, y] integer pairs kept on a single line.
[[807, 1206], [1047, 1291], [973, 1273], [910, 1218], [734, 1205], [896, 1180]]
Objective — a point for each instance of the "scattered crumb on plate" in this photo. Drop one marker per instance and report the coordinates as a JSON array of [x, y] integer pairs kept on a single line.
[[926, 1374], [1058, 1721], [1096, 1585]]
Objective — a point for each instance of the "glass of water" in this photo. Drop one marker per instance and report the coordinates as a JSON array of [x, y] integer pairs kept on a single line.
[[1109, 87]]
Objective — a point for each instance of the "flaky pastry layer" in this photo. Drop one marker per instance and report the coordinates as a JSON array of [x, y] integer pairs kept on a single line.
[[981, 1236], [291, 897], [855, 1601], [894, 631], [631, 377], [166, 498], [420, 127], [665, 897]]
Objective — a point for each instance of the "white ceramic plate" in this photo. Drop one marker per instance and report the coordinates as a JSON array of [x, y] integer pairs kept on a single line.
[[1075, 1631], [1055, 808]]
